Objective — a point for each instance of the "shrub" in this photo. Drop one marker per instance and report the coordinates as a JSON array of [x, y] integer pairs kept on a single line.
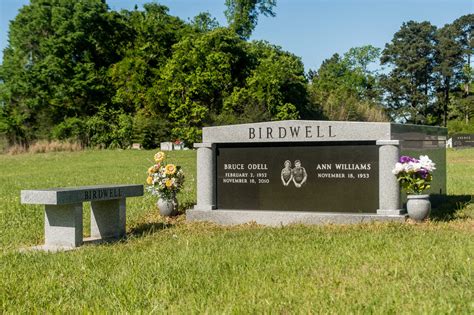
[[459, 126], [111, 129], [149, 130], [73, 129]]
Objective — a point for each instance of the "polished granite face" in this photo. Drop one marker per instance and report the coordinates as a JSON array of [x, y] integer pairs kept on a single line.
[[413, 139], [463, 140], [325, 177]]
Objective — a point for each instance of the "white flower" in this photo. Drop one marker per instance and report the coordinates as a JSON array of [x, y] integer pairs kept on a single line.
[[416, 166], [426, 163], [398, 168], [409, 167]]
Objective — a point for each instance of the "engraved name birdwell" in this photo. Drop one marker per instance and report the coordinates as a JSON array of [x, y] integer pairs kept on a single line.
[[292, 132], [307, 171], [96, 194]]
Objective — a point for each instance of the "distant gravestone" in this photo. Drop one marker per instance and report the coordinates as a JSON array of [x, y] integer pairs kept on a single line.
[[309, 171], [166, 146], [449, 143], [463, 141], [178, 145], [136, 146]]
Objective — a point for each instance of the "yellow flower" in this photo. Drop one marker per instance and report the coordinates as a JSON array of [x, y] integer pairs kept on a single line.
[[159, 157], [149, 180], [169, 183], [170, 169]]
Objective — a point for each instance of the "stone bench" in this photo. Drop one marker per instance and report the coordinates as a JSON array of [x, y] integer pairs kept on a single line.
[[63, 225]]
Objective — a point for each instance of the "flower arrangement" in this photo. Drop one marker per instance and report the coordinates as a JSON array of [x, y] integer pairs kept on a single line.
[[164, 179], [414, 175]]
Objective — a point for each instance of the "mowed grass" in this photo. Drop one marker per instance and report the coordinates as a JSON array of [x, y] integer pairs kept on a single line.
[[460, 170], [178, 267]]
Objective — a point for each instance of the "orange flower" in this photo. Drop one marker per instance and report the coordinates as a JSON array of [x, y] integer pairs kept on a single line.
[[154, 169], [170, 169]]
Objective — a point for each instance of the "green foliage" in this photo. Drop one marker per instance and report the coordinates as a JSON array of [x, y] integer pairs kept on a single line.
[[430, 76], [74, 70], [204, 22], [150, 129], [55, 64], [275, 88], [71, 129], [110, 129], [148, 50], [409, 84], [346, 89], [201, 72], [12, 125], [216, 77], [242, 15], [359, 58], [452, 69], [287, 111], [413, 183], [457, 126]]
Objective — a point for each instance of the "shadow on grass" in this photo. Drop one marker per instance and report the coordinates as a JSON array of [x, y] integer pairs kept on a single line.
[[148, 228], [448, 208], [183, 206], [160, 223]]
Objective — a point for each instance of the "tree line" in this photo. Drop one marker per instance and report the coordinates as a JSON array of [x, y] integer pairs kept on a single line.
[[78, 71]]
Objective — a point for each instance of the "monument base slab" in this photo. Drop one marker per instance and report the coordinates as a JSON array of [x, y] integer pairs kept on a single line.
[[278, 218]]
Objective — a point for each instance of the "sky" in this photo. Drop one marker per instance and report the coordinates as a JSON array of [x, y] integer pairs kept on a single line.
[[311, 29]]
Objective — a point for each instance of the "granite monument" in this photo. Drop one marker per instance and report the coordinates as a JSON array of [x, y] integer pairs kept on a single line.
[[309, 171]]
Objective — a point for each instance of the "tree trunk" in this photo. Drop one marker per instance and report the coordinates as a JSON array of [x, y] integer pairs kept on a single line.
[[447, 82]]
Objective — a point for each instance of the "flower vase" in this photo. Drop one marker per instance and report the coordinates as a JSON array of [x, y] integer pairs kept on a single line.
[[418, 207], [167, 207]]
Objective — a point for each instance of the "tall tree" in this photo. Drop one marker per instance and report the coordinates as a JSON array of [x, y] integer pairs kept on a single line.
[[361, 57], [345, 88], [465, 37], [242, 15], [154, 32], [202, 71], [449, 64], [275, 88], [358, 61], [409, 84], [464, 27], [56, 61], [204, 22]]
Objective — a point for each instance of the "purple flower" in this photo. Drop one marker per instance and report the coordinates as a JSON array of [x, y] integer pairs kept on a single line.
[[406, 159], [423, 173]]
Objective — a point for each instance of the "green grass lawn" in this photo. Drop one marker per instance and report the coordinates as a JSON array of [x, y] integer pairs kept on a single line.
[[180, 267]]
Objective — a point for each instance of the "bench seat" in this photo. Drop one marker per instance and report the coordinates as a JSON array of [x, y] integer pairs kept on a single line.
[[63, 212]]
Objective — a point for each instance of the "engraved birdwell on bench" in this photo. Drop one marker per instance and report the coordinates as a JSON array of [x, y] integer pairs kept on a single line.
[[63, 225]]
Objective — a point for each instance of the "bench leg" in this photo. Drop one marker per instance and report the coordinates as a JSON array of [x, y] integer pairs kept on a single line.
[[108, 218], [63, 225]]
